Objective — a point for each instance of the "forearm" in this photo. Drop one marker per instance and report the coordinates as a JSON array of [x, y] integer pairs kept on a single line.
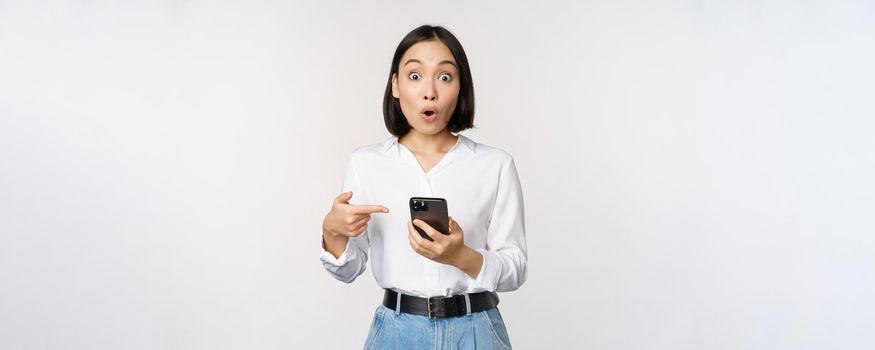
[[334, 243], [469, 261], [343, 257]]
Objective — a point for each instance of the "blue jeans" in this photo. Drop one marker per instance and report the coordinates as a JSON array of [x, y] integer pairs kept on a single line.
[[479, 330]]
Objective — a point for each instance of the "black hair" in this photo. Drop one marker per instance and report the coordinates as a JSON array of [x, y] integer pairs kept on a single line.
[[463, 115]]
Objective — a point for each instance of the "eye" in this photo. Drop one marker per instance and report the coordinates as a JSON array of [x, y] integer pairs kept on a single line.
[[414, 76], [445, 77]]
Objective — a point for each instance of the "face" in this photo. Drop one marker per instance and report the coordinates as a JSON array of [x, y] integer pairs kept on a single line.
[[427, 86]]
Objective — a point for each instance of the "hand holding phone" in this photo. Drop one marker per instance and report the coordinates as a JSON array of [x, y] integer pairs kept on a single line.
[[431, 210]]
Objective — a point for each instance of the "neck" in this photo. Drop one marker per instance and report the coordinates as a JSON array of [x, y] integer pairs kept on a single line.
[[418, 142]]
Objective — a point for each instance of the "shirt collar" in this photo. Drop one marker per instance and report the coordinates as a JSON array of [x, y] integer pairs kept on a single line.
[[392, 143]]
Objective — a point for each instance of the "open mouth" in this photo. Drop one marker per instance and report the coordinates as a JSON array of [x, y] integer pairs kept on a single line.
[[428, 114]]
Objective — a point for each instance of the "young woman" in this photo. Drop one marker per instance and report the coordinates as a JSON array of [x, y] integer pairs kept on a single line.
[[440, 293]]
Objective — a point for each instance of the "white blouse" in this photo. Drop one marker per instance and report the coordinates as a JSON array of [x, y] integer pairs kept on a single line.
[[483, 194]]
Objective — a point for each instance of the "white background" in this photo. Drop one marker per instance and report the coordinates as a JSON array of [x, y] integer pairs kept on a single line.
[[697, 174]]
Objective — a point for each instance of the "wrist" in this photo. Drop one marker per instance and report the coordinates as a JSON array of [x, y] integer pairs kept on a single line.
[[470, 262], [328, 235], [326, 232], [463, 257]]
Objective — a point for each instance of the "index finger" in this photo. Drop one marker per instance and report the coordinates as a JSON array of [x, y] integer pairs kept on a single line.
[[430, 231], [368, 209]]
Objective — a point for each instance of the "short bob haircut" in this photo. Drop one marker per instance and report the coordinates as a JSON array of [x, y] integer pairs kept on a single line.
[[463, 116]]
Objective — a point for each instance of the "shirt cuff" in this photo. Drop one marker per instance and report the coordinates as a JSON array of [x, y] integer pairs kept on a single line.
[[487, 279], [329, 258]]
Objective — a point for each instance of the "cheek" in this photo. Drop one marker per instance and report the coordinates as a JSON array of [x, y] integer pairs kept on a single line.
[[407, 98], [452, 93]]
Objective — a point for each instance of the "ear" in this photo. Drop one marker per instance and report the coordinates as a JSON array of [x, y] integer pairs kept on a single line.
[[395, 85]]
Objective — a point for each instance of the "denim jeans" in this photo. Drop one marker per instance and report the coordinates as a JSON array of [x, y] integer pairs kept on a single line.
[[479, 330]]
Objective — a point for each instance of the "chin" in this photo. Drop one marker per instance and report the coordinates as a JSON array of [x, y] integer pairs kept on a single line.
[[429, 130]]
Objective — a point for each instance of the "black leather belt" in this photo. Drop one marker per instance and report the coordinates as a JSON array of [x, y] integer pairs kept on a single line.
[[440, 307]]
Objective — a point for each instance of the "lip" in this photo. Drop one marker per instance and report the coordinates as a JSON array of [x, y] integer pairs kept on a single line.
[[426, 109], [428, 113], [428, 118]]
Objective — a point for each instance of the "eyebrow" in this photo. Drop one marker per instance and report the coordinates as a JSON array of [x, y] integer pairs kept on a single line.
[[413, 60]]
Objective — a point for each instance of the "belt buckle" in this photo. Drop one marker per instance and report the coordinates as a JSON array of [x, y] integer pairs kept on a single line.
[[430, 309]]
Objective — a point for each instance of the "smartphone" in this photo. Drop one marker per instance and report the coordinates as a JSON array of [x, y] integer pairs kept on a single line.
[[431, 210]]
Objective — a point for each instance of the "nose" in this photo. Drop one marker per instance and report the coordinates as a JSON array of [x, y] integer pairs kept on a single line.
[[430, 93]]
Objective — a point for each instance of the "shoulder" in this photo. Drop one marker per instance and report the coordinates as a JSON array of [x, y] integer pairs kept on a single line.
[[486, 152], [372, 150]]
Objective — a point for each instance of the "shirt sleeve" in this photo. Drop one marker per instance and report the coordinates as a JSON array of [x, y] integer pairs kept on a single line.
[[505, 258], [353, 261]]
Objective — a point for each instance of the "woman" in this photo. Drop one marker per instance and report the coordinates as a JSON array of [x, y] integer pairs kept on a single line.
[[440, 292]]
